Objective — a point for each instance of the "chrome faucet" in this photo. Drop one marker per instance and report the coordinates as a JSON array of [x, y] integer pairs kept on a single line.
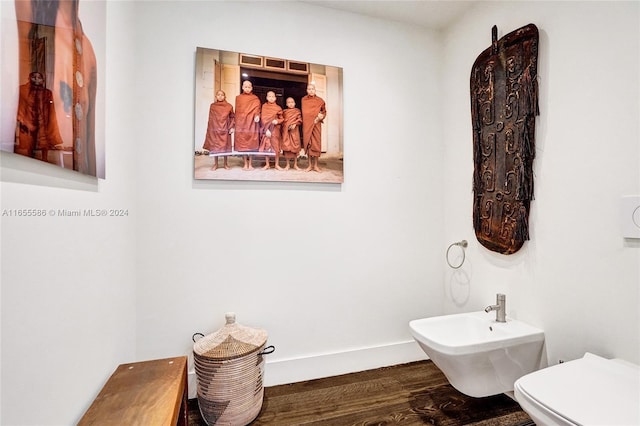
[[500, 307]]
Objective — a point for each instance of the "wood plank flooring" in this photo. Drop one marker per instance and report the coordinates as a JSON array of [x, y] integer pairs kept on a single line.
[[409, 394]]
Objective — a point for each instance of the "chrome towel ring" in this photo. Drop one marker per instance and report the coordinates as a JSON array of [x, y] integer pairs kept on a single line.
[[462, 244]]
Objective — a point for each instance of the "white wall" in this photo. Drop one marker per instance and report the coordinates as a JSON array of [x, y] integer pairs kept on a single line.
[[577, 278], [68, 283], [323, 268], [336, 286]]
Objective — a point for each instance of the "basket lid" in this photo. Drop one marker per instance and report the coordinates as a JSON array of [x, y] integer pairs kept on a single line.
[[231, 341]]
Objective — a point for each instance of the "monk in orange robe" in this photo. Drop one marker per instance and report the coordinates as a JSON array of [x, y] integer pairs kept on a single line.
[[314, 112], [247, 122], [36, 123], [219, 129], [291, 133], [271, 119]]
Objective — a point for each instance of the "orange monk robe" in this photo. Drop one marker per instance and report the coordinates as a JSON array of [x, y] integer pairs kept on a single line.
[[291, 138], [221, 120], [312, 131], [37, 126], [269, 113], [247, 130]]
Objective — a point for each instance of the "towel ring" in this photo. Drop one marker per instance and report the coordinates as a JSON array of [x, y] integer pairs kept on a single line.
[[463, 244]]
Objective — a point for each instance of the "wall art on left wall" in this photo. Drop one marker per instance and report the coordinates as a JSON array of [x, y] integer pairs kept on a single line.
[[53, 54]]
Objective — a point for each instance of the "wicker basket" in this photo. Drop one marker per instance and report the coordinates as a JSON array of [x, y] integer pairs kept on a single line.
[[229, 366]]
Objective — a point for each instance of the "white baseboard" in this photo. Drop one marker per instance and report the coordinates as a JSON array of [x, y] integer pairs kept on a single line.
[[192, 384], [279, 372], [284, 371]]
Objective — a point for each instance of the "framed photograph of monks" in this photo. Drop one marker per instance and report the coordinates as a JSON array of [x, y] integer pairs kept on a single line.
[[260, 118], [52, 82]]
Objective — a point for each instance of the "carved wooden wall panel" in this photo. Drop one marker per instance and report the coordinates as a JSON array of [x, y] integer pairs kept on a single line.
[[504, 103]]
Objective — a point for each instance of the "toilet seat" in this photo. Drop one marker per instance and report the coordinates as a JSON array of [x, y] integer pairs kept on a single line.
[[539, 413], [587, 391]]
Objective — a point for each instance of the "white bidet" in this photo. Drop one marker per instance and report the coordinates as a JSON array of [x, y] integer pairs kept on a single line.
[[479, 355]]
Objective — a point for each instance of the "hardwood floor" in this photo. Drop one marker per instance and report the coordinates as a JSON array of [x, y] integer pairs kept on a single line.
[[410, 394]]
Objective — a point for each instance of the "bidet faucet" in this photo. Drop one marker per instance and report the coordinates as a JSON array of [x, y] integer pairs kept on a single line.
[[500, 307]]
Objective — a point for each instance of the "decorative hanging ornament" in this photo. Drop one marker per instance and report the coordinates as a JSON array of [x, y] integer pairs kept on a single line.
[[504, 103]]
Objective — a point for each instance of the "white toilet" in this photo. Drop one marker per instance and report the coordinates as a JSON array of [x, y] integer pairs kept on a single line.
[[587, 391]]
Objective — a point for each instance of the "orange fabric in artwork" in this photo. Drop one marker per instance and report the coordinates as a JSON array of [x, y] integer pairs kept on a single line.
[[36, 120], [247, 130], [291, 137], [221, 120], [270, 112], [311, 130]]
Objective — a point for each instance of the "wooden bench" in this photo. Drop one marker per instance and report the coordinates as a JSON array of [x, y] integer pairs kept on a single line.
[[145, 393]]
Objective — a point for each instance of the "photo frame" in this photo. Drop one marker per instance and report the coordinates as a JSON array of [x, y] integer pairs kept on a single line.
[[248, 139], [53, 55]]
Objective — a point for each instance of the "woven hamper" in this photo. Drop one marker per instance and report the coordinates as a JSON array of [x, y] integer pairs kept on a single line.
[[229, 367]]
